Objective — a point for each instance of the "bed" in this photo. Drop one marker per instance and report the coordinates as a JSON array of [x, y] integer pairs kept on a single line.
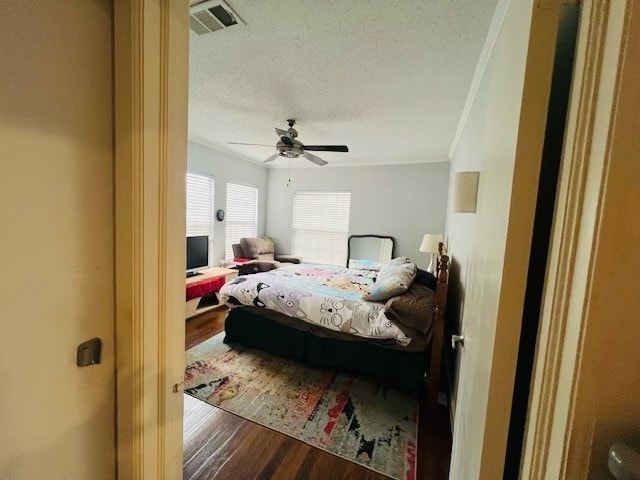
[[316, 314]]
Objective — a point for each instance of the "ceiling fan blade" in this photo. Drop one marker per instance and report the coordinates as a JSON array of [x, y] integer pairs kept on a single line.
[[271, 158], [327, 148], [282, 133], [314, 159], [252, 144]]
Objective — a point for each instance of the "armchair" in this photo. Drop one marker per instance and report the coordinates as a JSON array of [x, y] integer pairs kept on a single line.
[[262, 249]]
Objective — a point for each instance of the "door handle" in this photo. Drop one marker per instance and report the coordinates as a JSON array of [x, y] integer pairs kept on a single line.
[[457, 339]]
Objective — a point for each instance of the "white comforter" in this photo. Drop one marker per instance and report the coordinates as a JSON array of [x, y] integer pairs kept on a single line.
[[323, 295]]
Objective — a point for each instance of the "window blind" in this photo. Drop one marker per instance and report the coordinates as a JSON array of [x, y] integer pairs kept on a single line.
[[200, 210], [242, 214], [321, 226]]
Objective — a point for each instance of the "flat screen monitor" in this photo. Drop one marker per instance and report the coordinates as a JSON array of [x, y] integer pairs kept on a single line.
[[197, 252]]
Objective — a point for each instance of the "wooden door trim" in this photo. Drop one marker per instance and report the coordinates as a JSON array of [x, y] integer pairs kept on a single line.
[[151, 70], [528, 152], [574, 232]]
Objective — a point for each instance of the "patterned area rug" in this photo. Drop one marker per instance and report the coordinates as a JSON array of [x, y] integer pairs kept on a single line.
[[354, 418]]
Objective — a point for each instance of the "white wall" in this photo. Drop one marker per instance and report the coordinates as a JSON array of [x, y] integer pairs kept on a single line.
[[226, 168], [57, 239], [468, 157], [403, 201], [490, 249]]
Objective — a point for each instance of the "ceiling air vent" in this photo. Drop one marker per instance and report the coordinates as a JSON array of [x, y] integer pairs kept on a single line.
[[212, 15]]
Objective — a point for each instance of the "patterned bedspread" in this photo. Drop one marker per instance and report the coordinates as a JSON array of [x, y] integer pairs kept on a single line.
[[319, 294]]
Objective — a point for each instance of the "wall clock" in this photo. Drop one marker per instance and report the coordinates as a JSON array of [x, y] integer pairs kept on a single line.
[[220, 215]]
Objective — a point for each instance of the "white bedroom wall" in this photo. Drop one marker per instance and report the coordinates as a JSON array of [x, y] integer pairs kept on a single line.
[[226, 168], [491, 248], [404, 201], [460, 226]]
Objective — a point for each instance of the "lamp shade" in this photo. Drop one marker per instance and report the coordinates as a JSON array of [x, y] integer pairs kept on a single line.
[[430, 242]]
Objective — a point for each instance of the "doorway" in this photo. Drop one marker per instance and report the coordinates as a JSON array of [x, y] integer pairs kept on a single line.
[[545, 209], [158, 356]]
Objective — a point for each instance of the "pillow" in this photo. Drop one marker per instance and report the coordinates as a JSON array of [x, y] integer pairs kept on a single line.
[[413, 308], [391, 281], [364, 264], [427, 279], [397, 261]]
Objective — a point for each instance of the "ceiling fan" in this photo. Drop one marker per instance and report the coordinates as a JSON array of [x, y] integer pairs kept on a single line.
[[289, 147]]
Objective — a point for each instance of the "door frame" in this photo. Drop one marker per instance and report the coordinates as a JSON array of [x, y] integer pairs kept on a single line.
[[551, 428], [151, 95]]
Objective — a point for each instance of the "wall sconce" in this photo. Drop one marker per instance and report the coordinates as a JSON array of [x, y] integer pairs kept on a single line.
[[465, 192]]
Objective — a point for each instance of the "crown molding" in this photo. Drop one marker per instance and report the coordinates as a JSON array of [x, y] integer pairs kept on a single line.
[[199, 141], [485, 55]]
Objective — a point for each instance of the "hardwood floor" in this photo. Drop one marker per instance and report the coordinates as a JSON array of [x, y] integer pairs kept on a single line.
[[204, 326], [219, 445]]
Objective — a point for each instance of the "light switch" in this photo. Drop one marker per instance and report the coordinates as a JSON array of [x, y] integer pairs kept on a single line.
[[89, 352]]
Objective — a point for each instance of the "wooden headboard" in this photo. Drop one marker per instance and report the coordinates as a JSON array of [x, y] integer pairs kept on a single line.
[[439, 306]]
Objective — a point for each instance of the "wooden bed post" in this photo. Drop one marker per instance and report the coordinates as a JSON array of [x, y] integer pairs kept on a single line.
[[438, 328]]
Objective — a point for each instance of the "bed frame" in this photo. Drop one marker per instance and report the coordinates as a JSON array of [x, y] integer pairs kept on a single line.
[[439, 307], [406, 369]]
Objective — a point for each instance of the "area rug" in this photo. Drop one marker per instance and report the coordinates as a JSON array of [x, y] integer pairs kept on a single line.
[[352, 417]]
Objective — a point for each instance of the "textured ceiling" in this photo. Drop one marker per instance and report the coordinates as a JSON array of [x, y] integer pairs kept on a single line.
[[387, 78]]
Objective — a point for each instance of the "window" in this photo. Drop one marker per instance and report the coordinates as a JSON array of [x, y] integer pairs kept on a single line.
[[321, 226], [200, 210], [242, 214]]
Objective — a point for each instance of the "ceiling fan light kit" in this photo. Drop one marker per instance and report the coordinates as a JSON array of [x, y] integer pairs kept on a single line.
[[289, 147]]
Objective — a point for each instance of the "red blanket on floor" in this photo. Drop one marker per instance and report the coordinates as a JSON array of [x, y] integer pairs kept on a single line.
[[203, 287]]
